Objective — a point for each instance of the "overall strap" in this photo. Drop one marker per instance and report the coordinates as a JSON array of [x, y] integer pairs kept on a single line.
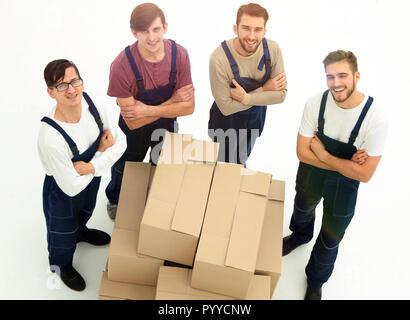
[[66, 137], [140, 82], [265, 61], [231, 60], [359, 122], [321, 120], [93, 111], [173, 73]]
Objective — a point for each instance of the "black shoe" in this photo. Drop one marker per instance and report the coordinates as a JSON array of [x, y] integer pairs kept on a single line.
[[288, 245], [96, 238], [72, 279], [312, 294]]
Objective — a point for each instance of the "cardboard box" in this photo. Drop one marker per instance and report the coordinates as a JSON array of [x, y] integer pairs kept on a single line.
[[124, 263], [176, 203], [134, 189], [174, 284], [111, 290], [269, 260], [227, 253]]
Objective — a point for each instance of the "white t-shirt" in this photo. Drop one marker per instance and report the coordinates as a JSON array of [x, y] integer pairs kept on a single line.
[[340, 122], [55, 153]]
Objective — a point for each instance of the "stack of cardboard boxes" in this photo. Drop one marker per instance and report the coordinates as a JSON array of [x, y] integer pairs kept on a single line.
[[220, 222]]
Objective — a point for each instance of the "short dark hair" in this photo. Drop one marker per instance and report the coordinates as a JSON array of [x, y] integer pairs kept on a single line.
[[144, 15], [341, 55], [55, 70], [253, 10]]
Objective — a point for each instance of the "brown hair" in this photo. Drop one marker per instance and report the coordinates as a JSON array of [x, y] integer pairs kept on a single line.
[[143, 16], [341, 55], [55, 70], [252, 9]]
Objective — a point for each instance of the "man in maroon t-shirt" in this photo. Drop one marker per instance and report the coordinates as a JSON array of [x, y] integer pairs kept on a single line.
[[151, 80]]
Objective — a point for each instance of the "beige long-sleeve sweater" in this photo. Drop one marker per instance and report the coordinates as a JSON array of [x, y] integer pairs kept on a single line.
[[221, 75]]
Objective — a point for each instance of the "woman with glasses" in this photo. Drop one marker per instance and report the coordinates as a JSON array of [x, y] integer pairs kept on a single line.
[[76, 142]]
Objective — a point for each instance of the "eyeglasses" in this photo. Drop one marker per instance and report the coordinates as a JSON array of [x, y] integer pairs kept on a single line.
[[63, 86]]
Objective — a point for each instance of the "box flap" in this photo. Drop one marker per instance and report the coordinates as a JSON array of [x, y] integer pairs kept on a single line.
[[246, 232], [158, 213], [255, 182], [203, 151], [193, 197], [270, 248], [173, 279], [167, 182], [212, 249], [174, 284], [173, 148], [125, 290], [133, 195], [123, 242], [277, 190], [259, 289]]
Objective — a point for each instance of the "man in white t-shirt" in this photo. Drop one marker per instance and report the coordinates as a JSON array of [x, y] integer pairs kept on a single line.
[[340, 142], [76, 143]]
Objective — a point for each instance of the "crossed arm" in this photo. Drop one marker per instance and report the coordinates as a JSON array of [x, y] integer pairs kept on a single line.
[[277, 83], [106, 141], [137, 114], [360, 167]]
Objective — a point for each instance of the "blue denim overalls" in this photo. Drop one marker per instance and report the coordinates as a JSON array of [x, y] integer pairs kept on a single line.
[[238, 151], [66, 216], [339, 195], [139, 140]]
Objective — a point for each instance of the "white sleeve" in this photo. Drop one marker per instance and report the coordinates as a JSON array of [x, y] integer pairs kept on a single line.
[[106, 159], [309, 123], [56, 159], [375, 138]]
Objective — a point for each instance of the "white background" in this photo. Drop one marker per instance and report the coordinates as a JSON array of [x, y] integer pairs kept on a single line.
[[373, 259]]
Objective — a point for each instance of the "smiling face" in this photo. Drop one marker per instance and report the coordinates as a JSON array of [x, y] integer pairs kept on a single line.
[[72, 96], [341, 80], [250, 32], [151, 40]]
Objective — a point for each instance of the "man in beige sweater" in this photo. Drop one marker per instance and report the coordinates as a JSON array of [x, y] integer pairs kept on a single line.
[[246, 75]]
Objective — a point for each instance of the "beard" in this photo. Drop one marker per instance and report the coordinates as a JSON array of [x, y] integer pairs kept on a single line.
[[348, 93], [243, 44]]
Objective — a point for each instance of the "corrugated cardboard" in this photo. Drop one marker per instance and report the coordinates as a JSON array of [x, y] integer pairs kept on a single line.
[[177, 199], [228, 249], [174, 284], [270, 250], [133, 195], [124, 263], [111, 290]]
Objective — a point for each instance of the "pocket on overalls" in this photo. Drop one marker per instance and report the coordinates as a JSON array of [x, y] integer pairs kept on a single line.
[[303, 177], [345, 197], [91, 198], [63, 221], [59, 204]]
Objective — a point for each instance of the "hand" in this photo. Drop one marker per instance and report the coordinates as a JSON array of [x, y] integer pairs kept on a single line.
[[237, 93], [360, 157], [137, 111], [83, 168], [318, 148], [183, 94], [276, 83], [106, 141]]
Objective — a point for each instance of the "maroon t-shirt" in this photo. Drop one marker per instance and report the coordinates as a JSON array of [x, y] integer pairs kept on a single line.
[[123, 84]]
